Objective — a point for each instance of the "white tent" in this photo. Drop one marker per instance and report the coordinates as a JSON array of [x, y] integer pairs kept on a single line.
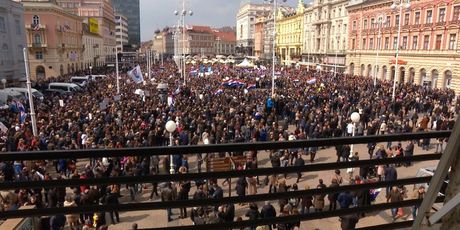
[[245, 64]]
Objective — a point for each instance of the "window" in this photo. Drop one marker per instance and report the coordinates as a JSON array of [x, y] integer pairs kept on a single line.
[[426, 42], [406, 19], [395, 42], [442, 15], [35, 20], [39, 55], [364, 44], [387, 22], [365, 24], [241, 31], [354, 25], [379, 44], [397, 20], [387, 42], [417, 18], [371, 43], [353, 44], [37, 39], [429, 16], [414, 42], [372, 23], [17, 24], [452, 39], [404, 43], [2, 24], [438, 42], [456, 14]]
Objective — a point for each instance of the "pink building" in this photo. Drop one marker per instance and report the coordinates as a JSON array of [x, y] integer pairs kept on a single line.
[[54, 39], [428, 51]]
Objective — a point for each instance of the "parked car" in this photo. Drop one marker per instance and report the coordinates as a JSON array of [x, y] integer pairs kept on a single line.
[[82, 81], [35, 93]]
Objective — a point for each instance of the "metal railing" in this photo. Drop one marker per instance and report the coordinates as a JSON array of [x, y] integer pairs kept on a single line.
[[237, 147]]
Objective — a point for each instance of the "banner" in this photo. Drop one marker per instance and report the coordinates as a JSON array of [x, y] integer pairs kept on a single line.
[[93, 25], [136, 74]]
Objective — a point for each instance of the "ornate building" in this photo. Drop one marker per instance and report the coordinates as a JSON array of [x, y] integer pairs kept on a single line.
[[54, 38], [326, 33], [428, 51], [290, 34]]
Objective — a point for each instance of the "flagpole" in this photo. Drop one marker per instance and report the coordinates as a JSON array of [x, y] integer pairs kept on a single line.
[[29, 92], [116, 69]]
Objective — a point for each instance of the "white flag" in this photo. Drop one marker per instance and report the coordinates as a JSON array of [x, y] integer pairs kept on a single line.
[[136, 74]]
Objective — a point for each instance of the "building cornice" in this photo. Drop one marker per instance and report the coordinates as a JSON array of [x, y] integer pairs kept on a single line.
[[46, 7]]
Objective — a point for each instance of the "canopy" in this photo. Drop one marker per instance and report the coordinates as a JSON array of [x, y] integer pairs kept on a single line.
[[245, 64]]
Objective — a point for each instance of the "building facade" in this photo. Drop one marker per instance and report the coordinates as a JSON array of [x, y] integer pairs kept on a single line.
[[93, 44], [12, 42], [163, 43], [130, 9], [121, 31], [290, 34], [245, 25], [428, 50], [54, 39], [326, 34], [259, 37], [103, 12], [224, 42]]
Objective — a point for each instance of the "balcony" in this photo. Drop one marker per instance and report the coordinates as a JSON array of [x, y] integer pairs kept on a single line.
[[410, 52], [35, 27], [225, 171], [37, 45]]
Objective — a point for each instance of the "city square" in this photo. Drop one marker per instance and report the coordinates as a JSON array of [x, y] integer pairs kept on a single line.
[[314, 77]]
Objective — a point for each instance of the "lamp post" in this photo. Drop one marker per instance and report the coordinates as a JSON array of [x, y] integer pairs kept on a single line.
[[182, 19], [355, 118], [171, 127], [275, 7], [29, 92], [398, 4], [90, 70], [4, 82], [380, 22], [336, 49]]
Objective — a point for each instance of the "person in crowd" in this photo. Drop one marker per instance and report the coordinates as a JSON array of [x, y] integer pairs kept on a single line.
[[418, 193], [168, 195], [394, 196], [319, 198]]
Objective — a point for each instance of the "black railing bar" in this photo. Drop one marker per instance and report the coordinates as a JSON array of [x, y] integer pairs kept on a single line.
[[207, 202], [301, 217], [229, 147], [395, 225], [217, 175]]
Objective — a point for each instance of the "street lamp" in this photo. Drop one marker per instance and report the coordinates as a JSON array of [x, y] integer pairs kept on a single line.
[[398, 4], [355, 118], [4, 82], [336, 49], [171, 127], [90, 70], [182, 18], [380, 22], [29, 92], [275, 7]]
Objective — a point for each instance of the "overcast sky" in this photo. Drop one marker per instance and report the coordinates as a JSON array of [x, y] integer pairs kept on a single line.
[[156, 14]]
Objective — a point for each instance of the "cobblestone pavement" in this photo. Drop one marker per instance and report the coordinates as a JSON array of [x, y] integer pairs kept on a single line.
[[157, 218]]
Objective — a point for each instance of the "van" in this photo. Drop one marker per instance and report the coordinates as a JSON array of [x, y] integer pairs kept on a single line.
[[82, 81], [429, 171], [6, 95], [64, 86], [35, 93], [98, 77]]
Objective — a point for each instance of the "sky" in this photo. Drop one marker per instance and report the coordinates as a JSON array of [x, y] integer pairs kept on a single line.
[[156, 14]]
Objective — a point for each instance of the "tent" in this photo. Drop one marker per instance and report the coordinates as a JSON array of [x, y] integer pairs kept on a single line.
[[245, 64]]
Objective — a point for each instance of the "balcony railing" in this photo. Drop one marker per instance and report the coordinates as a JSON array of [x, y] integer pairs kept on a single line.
[[37, 45], [157, 151], [35, 27]]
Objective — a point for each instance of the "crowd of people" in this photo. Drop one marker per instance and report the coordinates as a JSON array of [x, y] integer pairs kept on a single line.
[[208, 110]]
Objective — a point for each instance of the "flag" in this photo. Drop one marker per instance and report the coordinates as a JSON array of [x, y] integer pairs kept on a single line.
[[194, 72], [311, 81], [136, 74], [22, 117], [36, 27], [21, 107], [251, 86], [177, 91], [219, 91], [67, 27]]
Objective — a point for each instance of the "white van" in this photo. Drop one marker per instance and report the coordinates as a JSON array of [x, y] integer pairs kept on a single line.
[[35, 93], [80, 80], [64, 86], [98, 77]]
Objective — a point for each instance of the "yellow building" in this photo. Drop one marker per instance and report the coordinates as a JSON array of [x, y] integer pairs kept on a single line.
[[289, 34]]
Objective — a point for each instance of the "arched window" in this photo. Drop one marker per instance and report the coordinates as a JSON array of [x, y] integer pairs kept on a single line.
[[35, 20], [37, 39]]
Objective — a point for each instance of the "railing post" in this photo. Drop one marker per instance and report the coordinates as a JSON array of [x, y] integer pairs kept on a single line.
[[453, 147]]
